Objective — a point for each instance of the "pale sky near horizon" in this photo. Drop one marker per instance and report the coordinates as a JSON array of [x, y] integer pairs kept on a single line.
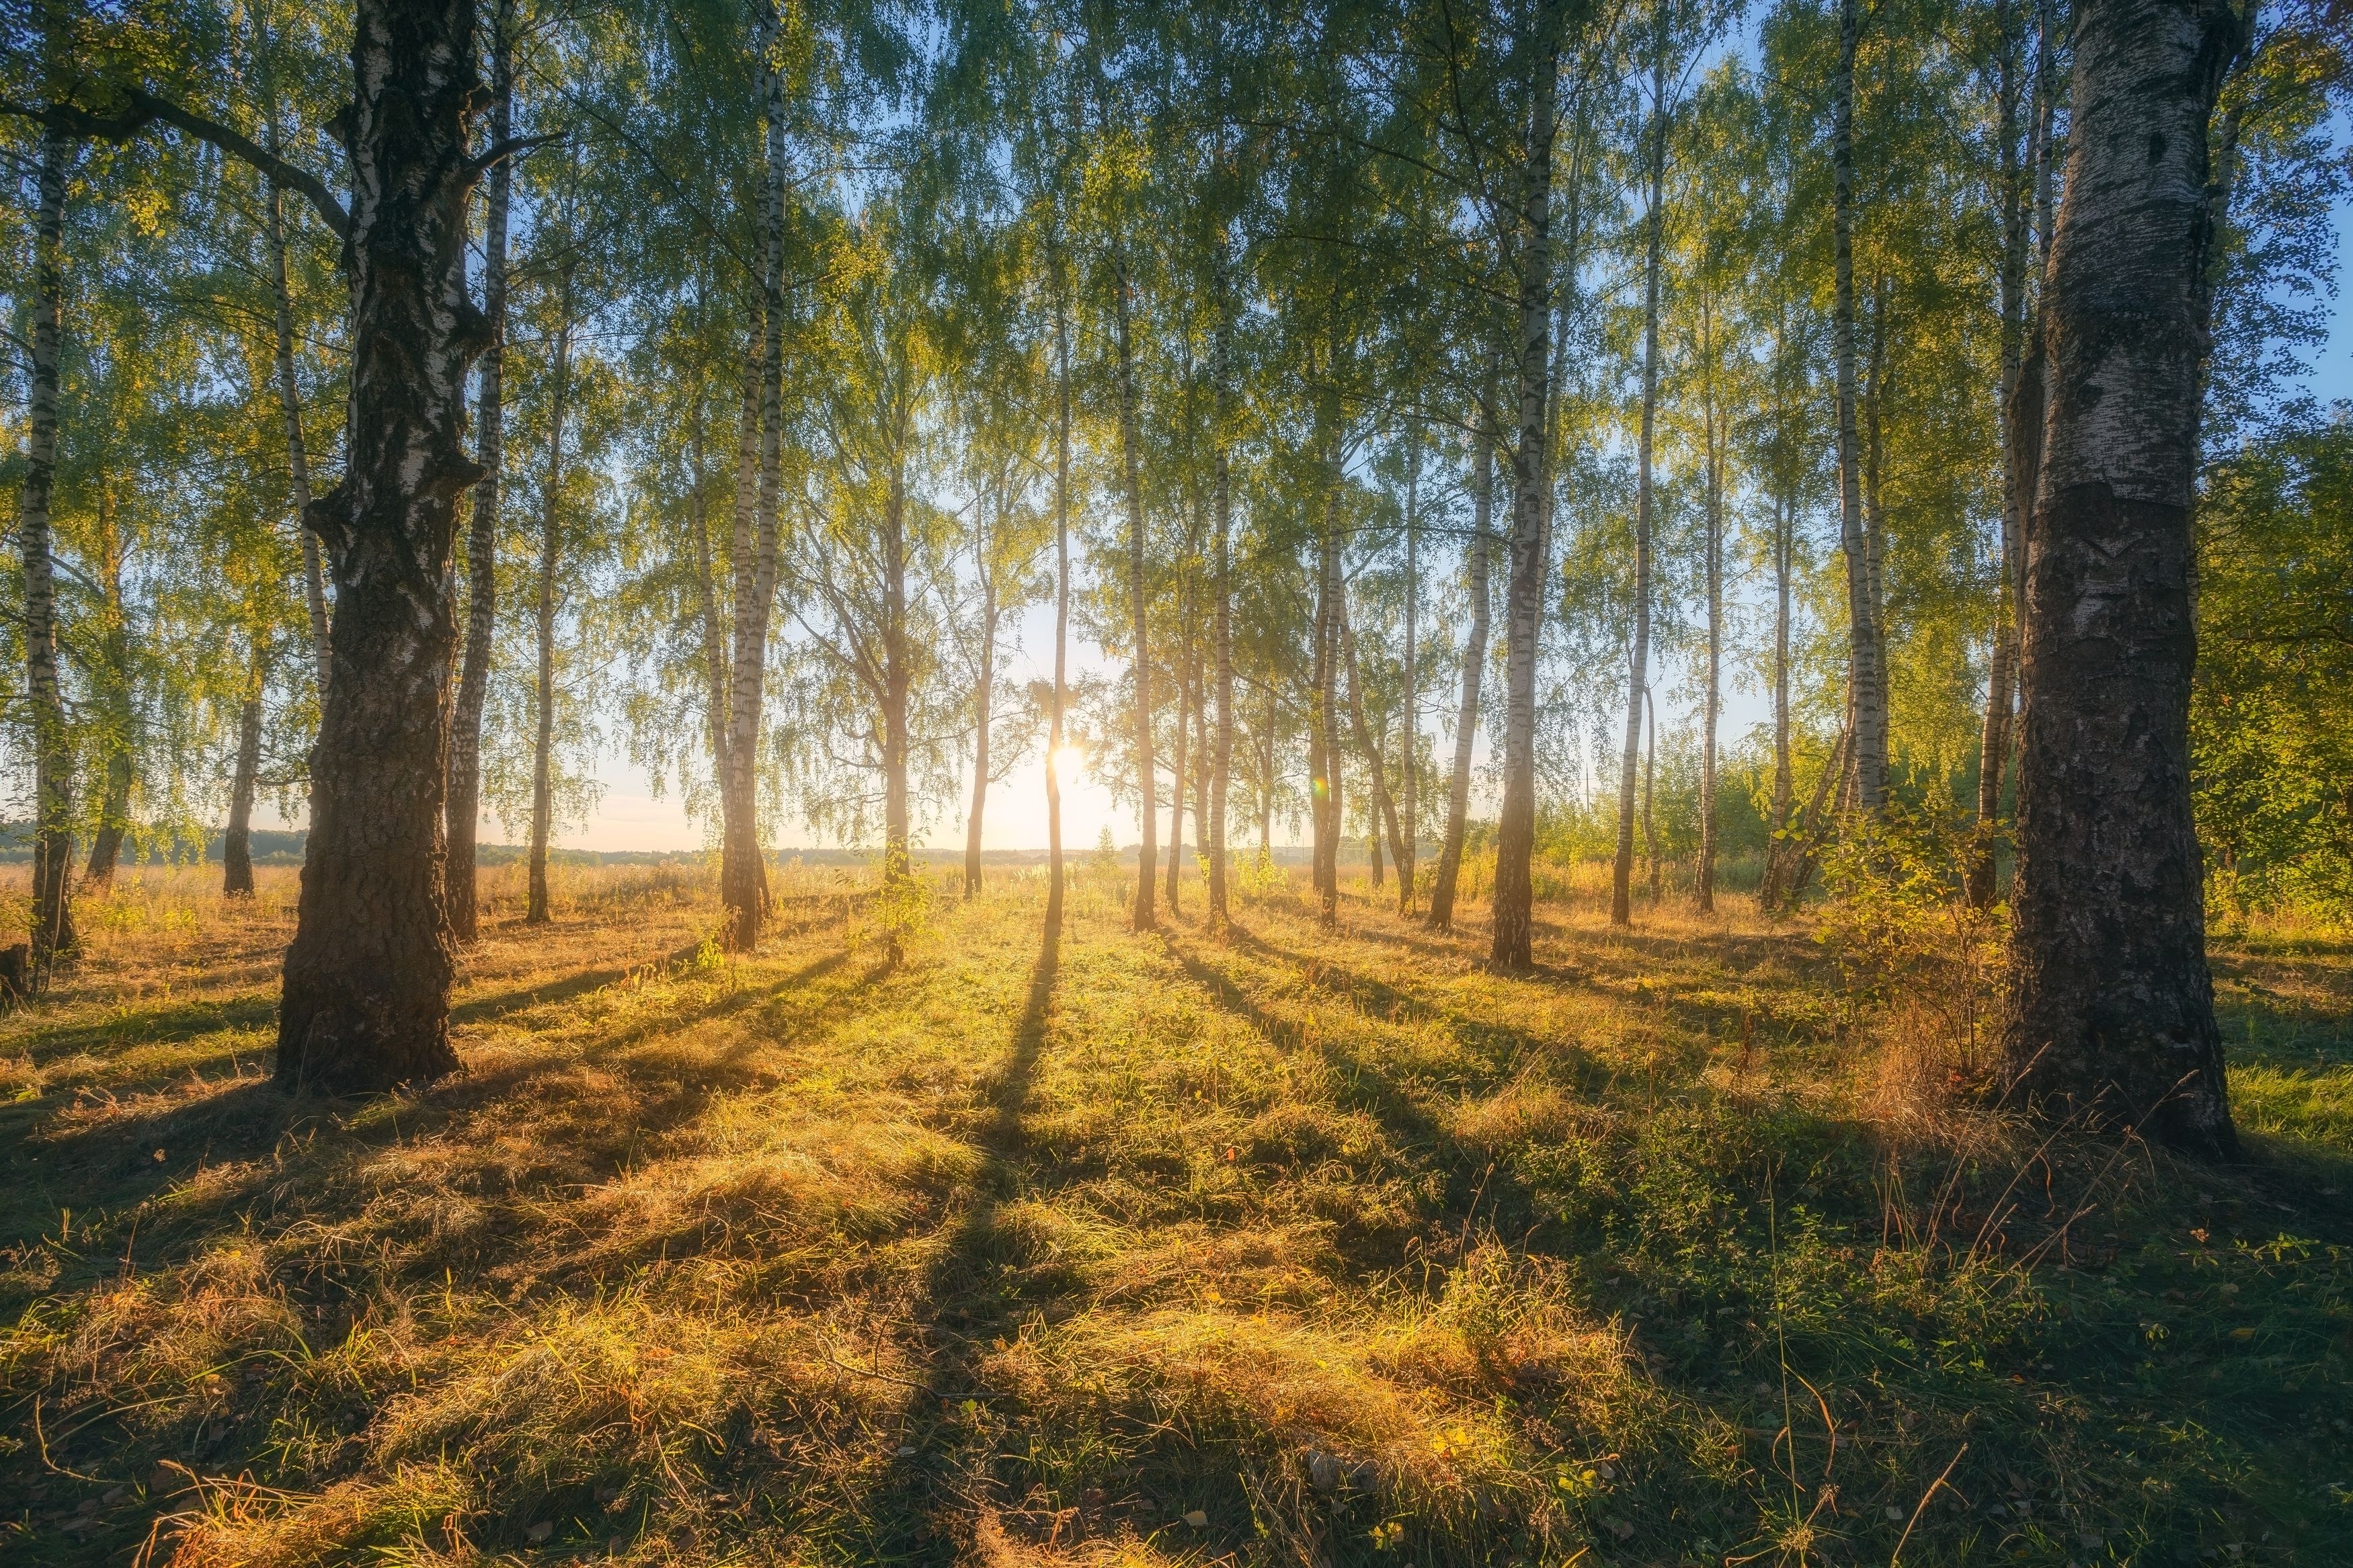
[[630, 817]]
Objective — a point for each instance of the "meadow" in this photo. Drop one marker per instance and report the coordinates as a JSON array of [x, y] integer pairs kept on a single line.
[[928, 1244]]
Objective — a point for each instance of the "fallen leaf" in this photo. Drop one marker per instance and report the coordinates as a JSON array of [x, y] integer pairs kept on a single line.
[[1197, 1520]]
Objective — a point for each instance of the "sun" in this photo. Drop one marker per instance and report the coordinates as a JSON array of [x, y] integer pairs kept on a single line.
[[1068, 762]]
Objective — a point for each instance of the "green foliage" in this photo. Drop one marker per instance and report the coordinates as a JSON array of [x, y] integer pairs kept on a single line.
[[2271, 714]]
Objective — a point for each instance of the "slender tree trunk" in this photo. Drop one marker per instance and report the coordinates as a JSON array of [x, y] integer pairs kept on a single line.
[[113, 679], [53, 938], [1780, 849], [2110, 1006], [1323, 745], [1061, 599], [1784, 552], [1712, 700], [1514, 893], [1869, 699], [113, 818], [237, 841], [984, 694], [542, 752], [1650, 793], [743, 877], [1201, 765], [366, 1001], [1266, 772], [1383, 813], [482, 529], [1873, 405], [1638, 677], [897, 676], [1837, 774], [1221, 765], [2001, 665], [290, 404], [1407, 806], [1148, 854], [706, 592], [1474, 660], [739, 834], [1176, 759]]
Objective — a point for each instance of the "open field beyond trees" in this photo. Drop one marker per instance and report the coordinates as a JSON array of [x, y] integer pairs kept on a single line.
[[1277, 1246]]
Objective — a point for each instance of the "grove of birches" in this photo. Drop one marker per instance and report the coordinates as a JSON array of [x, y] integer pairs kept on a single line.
[[1831, 475]]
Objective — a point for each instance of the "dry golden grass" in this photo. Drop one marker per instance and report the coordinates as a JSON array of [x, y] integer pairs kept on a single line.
[[1275, 1245]]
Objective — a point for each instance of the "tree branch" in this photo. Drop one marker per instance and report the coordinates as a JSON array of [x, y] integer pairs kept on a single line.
[[143, 108]]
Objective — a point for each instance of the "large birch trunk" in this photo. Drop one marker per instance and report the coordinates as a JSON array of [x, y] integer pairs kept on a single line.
[[2111, 1015], [464, 809], [1475, 663], [543, 752], [1514, 894], [1869, 699], [367, 999]]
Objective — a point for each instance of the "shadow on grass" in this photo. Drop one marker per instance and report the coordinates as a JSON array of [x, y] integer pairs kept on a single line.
[[174, 1024], [921, 1486], [107, 1168], [1502, 1048], [482, 1008]]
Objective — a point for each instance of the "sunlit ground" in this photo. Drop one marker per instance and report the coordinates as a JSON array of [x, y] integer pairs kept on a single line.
[[1274, 1246]]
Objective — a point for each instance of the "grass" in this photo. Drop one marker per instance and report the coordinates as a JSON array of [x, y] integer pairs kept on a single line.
[[1279, 1245]]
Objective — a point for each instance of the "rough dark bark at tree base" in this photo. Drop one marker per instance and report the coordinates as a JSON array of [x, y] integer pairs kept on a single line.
[[2111, 1019], [366, 1001], [2112, 1009]]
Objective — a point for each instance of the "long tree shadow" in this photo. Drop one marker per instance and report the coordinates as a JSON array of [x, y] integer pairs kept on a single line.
[[1365, 1084], [977, 1272], [481, 1009], [1501, 1046], [225, 1130], [115, 1032]]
